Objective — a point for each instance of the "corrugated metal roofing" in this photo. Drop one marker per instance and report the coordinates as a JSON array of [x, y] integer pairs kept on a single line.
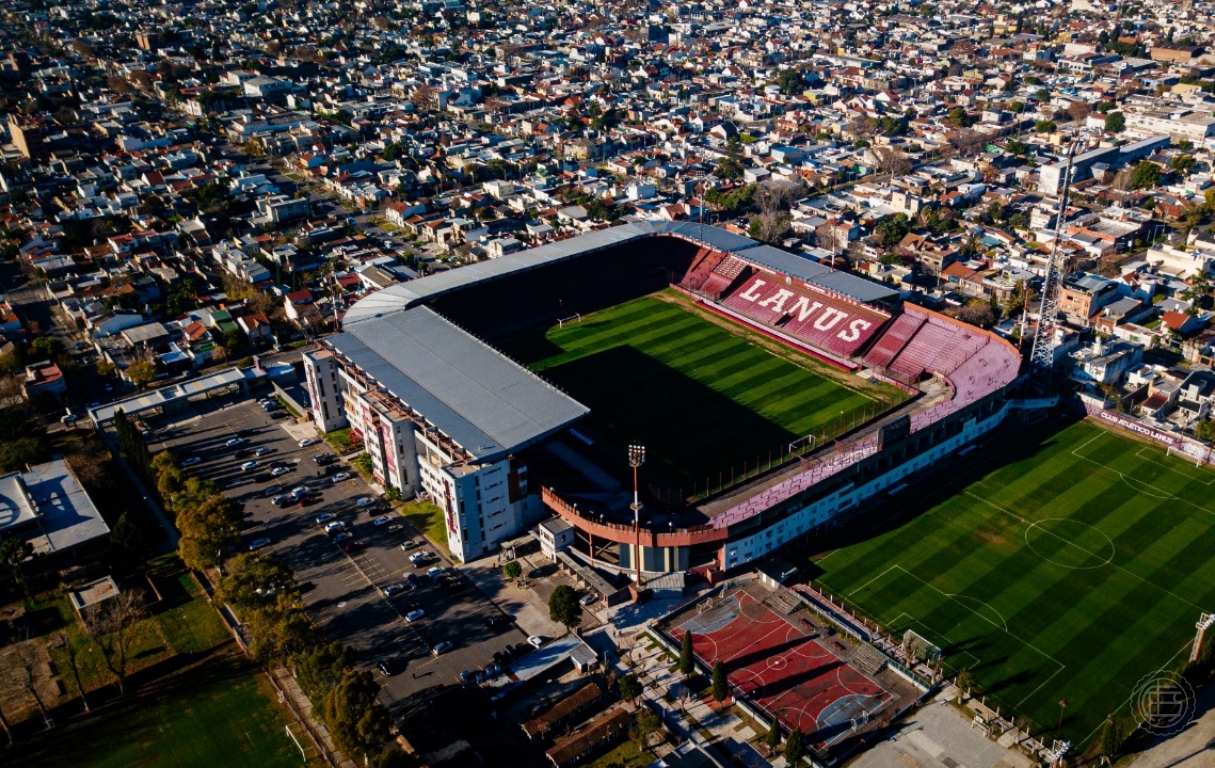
[[783, 261], [854, 287], [483, 401]]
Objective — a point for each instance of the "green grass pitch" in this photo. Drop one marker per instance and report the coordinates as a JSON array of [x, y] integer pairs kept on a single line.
[[1062, 565], [701, 394]]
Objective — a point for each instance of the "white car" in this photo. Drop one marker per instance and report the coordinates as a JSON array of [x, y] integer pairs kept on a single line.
[[252, 464], [232, 443], [441, 648], [299, 491], [307, 441], [364, 501], [436, 571], [588, 599], [324, 517], [339, 477], [393, 589], [190, 461], [261, 451], [280, 471], [382, 520], [413, 616], [419, 557], [333, 526], [535, 641]]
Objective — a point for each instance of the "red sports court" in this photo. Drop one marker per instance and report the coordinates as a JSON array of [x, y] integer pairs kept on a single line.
[[781, 667]]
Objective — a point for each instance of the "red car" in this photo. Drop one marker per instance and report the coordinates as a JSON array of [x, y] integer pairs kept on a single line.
[[352, 546], [308, 501]]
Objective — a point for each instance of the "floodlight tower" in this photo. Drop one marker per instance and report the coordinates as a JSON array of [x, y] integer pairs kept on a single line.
[[1204, 623], [1042, 355], [636, 459]]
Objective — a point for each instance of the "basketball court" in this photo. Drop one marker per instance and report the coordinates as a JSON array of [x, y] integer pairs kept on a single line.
[[783, 668]]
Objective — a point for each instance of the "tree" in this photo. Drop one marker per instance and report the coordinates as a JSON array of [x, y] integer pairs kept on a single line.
[[892, 161], [965, 142], [629, 687], [46, 347], [29, 662], [358, 723], [957, 116], [645, 722], [66, 642], [1111, 737], [112, 625], [772, 739], [1183, 164], [720, 689], [512, 570], [563, 606], [687, 662], [790, 81], [1147, 175], [1115, 122], [207, 531], [1079, 110], [1045, 126], [795, 750], [14, 552], [964, 682], [278, 631], [319, 668], [142, 372], [1205, 430], [254, 581]]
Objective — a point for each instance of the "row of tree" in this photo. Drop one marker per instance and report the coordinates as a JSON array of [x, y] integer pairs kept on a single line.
[[262, 591], [208, 521]]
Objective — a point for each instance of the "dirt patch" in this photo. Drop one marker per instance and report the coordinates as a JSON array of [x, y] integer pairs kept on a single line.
[[16, 699]]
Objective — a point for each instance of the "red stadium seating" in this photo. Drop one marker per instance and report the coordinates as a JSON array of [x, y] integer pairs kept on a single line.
[[704, 263], [893, 341], [811, 314]]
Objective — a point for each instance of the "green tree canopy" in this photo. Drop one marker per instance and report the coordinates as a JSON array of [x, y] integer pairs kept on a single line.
[[563, 606], [1115, 122], [358, 723], [720, 689], [687, 662]]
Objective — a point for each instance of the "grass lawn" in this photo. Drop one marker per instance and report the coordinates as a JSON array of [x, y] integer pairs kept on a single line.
[[704, 395], [338, 439], [624, 754], [428, 519], [287, 407], [215, 712], [1067, 563]]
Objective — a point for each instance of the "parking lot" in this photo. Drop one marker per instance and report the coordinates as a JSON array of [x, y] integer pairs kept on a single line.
[[343, 590]]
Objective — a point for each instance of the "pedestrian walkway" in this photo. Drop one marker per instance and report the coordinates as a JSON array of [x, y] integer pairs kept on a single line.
[[293, 696]]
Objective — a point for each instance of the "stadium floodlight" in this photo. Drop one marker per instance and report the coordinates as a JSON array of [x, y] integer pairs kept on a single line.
[[636, 459]]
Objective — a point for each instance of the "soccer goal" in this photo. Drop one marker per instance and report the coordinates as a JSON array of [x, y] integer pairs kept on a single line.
[[918, 647], [1189, 452]]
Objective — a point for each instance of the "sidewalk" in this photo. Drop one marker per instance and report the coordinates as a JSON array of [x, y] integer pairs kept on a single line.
[[302, 708]]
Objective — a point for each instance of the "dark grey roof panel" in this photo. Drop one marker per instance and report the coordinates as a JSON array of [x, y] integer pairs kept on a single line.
[[486, 403], [784, 262], [854, 287]]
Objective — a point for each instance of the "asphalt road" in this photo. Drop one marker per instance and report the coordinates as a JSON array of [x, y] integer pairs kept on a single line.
[[343, 590]]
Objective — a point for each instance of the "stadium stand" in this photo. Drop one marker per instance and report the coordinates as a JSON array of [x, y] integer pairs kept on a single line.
[[724, 276], [704, 265], [893, 341], [804, 312], [781, 602], [867, 659]]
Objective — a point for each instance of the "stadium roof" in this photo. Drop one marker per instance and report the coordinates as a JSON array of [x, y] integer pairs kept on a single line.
[[486, 403], [404, 295]]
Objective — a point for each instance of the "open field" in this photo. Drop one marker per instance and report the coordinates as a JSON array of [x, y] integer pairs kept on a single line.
[[701, 393], [1064, 564], [217, 711]]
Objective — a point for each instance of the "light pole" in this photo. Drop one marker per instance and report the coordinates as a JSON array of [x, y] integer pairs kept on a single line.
[[636, 459], [1059, 727]]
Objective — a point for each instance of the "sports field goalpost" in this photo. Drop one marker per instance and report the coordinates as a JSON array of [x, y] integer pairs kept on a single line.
[[1168, 451]]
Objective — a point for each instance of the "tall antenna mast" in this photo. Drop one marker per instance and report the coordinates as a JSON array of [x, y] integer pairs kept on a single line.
[[1043, 355]]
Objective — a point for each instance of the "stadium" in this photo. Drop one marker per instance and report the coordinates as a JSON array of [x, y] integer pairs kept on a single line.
[[773, 395]]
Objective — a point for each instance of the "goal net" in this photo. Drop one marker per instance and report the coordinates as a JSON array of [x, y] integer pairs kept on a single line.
[[918, 647]]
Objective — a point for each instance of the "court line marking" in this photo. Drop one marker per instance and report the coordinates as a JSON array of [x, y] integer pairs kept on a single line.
[[1150, 583], [1132, 481], [1167, 665], [1142, 448]]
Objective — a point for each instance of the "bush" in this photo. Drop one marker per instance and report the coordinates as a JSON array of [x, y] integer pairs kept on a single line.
[[512, 570]]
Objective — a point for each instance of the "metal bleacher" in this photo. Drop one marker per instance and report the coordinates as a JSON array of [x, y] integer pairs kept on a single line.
[[867, 659]]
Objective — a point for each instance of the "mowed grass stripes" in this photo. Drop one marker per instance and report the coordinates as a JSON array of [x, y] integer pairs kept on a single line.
[[700, 396], [1068, 565]]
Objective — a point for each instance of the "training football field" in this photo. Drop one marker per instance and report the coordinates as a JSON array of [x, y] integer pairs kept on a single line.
[[701, 393], [1053, 565]]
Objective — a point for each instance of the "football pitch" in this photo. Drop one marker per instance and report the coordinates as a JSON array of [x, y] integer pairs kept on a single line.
[[1056, 565], [701, 393]]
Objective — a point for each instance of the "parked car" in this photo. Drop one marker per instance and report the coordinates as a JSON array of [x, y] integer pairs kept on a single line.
[[262, 451], [395, 527], [339, 477], [413, 616], [409, 544], [324, 517], [388, 667], [417, 558], [590, 598], [307, 441], [280, 471], [393, 589], [364, 501], [495, 621], [243, 453], [324, 458], [436, 572], [352, 546], [257, 544], [382, 520], [535, 641], [272, 490], [412, 581], [342, 536], [190, 461], [441, 648], [235, 441], [335, 525], [308, 501], [282, 500], [248, 465], [300, 491]]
